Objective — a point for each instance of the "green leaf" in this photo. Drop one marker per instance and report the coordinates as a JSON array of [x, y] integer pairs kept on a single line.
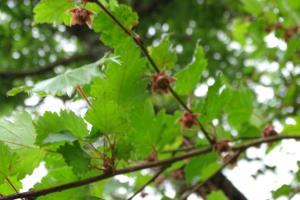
[[240, 106], [253, 6], [66, 82], [216, 99], [240, 30], [284, 190], [217, 195], [189, 77], [121, 93], [58, 176], [6, 189], [7, 159], [54, 127], [248, 131], [163, 54], [17, 90], [111, 34], [75, 157], [17, 131], [290, 129], [29, 159], [202, 167], [53, 11]]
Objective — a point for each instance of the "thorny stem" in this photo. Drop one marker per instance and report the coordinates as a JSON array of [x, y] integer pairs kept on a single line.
[[58, 188], [137, 39]]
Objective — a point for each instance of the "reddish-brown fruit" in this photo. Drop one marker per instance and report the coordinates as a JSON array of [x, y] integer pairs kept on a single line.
[[188, 120], [108, 165], [268, 28], [177, 174], [269, 131], [291, 32], [152, 157], [221, 146], [160, 82], [81, 16], [187, 143], [277, 25]]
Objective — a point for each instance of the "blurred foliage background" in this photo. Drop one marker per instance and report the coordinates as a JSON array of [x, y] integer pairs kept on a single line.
[[254, 43]]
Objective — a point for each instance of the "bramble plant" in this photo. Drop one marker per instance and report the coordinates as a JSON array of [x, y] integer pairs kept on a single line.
[[142, 104]]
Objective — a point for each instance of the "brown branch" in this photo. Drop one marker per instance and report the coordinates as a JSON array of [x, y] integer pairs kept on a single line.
[[265, 140], [86, 181], [241, 147], [81, 92], [138, 40], [42, 70]]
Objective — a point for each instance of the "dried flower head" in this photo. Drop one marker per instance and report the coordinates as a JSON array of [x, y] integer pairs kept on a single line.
[[81, 16], [221, 146], [269, 131], [188, 120], [160, 82]]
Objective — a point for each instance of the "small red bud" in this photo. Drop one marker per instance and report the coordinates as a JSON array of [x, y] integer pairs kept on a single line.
[[221, 146], [160, 82], [152, 157], [81, 16], [277, 25], [269, 131], [177, 174], [188, 120]]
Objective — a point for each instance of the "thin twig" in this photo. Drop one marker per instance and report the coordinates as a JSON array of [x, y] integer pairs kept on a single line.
[[81, 92]]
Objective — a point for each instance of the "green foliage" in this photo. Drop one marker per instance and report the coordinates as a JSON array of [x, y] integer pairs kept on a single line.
[[52, 11], [189, 77], [202, 167], [126, 124], [217, 195], [8, 158], [284, 190], [50, 128], [75, 157], [66, 82], [164, 54], [17, 132], [292, 128]]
